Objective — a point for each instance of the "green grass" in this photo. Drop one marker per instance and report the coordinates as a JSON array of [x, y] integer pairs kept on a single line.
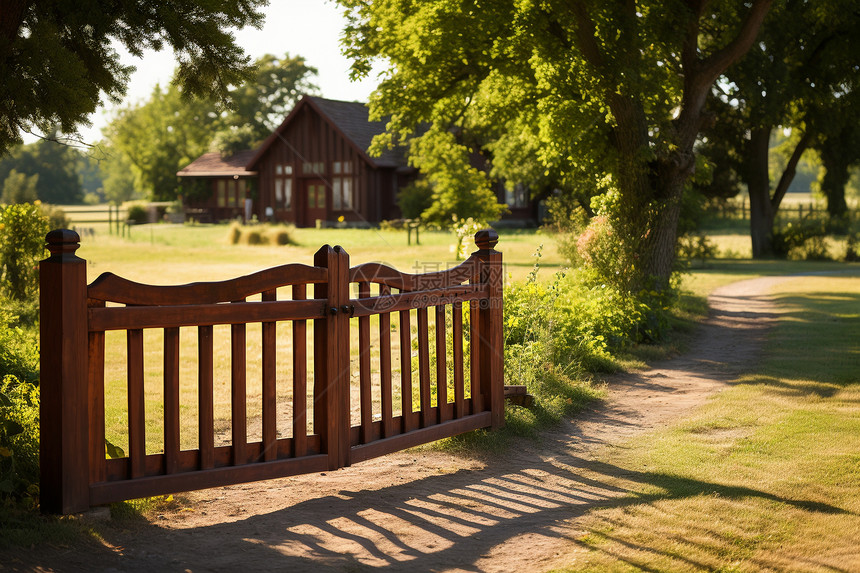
[[766, 475]]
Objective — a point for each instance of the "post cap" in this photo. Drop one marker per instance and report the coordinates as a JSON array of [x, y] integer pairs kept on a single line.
[[63, 241], [486, 239]]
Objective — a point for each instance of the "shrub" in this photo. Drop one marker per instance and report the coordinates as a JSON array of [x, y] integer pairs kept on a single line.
[[695, 247], [137, 212], [19, 439], [259, 234], [19, 349], [414, 199], [22, 245], [56, 217], [804, 239]]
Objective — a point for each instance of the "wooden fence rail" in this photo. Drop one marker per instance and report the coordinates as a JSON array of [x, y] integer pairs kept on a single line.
[[345, 403]]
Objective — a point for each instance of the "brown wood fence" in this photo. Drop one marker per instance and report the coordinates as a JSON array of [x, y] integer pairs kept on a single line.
[[346, 404]]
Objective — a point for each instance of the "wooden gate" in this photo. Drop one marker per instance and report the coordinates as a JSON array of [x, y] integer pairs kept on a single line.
[[353, 363]]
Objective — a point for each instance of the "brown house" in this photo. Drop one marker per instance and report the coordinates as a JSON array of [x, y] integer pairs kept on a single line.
[[315, 168]]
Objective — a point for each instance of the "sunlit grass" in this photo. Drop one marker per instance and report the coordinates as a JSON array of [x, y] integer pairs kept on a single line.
[[766, 475]]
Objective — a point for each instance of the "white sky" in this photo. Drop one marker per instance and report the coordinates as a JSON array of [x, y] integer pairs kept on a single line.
[[308, 28]]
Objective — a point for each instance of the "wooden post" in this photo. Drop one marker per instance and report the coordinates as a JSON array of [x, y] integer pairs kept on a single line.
[[64, 457], [491, 342], [331, 385]]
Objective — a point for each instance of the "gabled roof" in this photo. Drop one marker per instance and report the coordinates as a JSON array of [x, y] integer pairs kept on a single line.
[[351, 119], [213, 165]]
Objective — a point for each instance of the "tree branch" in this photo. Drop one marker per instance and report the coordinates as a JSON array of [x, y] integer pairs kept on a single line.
[[790, 170]]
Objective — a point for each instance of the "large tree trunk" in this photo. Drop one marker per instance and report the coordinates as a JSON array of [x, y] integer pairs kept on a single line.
[[763, 206], [758, 183], [836, 175]]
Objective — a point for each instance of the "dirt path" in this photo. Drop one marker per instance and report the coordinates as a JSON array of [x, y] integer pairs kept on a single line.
[[435, 511]]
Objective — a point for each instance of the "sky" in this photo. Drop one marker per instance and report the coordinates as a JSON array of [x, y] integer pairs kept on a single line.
[[308, 28]]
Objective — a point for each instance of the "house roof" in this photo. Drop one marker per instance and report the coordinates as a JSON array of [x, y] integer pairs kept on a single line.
[[351, 119], [213, 165]]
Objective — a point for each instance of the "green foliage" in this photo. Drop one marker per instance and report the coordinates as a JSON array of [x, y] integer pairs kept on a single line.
[[19, 348], [19, 188], [804, 239], [458, 189], [137, 212], [56, 166], [19, 439], [260, 234], [232, 139], [154, 139], [693, 248], [465, 231], [261, 104], [58, 63], [414, 199], [22, 245], [561, 95]]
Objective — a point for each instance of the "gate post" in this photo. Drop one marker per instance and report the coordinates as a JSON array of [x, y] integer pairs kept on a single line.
[[491, 342], [64, 457], [331, 384]]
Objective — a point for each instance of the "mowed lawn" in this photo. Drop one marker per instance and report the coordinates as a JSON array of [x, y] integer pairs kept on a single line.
[[766, 476]]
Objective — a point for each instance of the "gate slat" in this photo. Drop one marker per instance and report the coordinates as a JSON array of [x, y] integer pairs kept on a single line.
[[171, 400], [205, 398], [457, 355], [98, 472], [270, 397], [406, 371], [385, 368], [300, 378], [424, 367], [364, 378], [239, 392], [475, 356], [443, 407], [136, 412]]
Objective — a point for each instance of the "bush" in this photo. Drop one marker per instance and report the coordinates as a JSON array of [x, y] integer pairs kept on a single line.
[[56, 217], [22, 245], [138, 213], [19, 439], [19, 349], [260, 234], [805, 239]]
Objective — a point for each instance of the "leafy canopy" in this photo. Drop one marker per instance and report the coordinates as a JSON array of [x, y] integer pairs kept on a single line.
[[57, 58], [563, 93]]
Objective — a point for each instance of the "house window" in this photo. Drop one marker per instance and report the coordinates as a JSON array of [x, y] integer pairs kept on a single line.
[[342, 186], [518, 197], [313, 168], [221, 192], [283, 187]]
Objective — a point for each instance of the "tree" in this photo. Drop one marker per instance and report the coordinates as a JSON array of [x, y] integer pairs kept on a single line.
[[54, 163], [599, 88], [57, 57], [160, 136], [261, 103], [19, 188], [797, 76]]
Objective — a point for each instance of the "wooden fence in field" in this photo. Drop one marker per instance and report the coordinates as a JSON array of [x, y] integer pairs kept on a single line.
[[342, 410]]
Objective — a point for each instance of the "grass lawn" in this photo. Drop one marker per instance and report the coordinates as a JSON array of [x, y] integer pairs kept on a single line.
[[766, 475]]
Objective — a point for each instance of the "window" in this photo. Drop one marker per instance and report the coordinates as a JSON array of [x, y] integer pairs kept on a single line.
[[342, 186], [313, 168], [221, 192], [283, 187]]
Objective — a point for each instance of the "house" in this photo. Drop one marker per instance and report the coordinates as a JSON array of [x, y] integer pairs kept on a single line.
[[313, 168]]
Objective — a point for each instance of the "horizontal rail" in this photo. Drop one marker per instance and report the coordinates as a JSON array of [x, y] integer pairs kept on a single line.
[[377, 448], [108, 492], [420, 299], [136, 317], [112, 288], [379, 273]]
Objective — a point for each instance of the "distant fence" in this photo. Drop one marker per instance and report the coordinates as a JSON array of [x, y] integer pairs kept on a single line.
[[342, 410]]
